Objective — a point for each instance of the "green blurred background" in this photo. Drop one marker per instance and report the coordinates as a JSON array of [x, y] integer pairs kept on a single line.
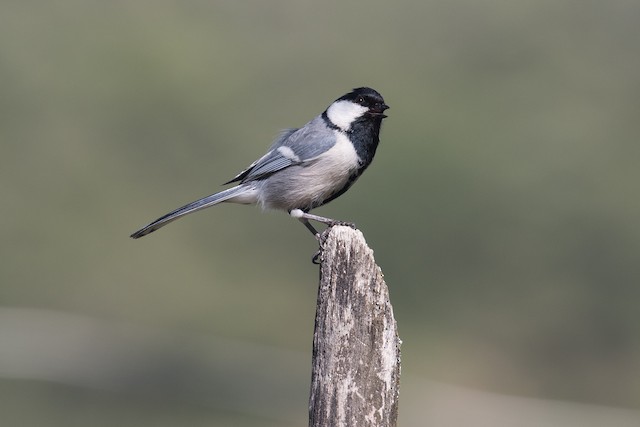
[[503, 208]]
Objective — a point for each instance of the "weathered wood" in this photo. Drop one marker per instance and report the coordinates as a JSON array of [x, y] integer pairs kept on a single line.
[[356, 349]]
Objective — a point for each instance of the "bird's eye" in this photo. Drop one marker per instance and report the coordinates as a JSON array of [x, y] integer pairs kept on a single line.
[[360, 100]]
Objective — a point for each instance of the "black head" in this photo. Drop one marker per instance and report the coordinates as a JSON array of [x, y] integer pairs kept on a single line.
[[368, 98]]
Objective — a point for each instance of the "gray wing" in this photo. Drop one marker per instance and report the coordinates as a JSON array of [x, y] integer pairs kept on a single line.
[[292, 147]]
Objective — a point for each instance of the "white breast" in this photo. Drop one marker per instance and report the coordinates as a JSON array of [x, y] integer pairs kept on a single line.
[[332, 169], [306, 186]]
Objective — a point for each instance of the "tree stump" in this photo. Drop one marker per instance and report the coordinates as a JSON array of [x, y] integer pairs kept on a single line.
[[356, 348]]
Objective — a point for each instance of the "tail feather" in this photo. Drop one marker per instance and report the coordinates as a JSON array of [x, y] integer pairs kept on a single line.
[[242, 193]]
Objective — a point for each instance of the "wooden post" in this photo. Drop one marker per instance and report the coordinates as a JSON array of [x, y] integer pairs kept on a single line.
[[356, 349]]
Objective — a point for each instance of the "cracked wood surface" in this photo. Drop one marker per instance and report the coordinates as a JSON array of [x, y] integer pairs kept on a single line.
[[356, 349]]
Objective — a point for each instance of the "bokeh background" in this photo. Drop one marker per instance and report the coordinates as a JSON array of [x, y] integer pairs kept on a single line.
[[503, 207]]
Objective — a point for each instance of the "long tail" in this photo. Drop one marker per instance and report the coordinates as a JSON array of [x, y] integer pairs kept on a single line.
[[239, 194]]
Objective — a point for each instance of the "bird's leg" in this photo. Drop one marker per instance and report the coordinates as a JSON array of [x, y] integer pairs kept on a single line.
[[316, 258], [310, 227], [328, 221], [304, 218], [301, 216]]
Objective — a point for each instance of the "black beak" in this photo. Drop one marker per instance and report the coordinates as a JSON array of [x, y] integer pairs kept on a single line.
[[378, 110]]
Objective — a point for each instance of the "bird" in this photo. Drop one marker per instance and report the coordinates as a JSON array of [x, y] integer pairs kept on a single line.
[[305, 167]]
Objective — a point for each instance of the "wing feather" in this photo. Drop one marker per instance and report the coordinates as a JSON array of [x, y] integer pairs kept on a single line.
[[292, 147]]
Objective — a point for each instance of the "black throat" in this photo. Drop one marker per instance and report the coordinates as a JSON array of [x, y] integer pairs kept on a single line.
[[364, 134]]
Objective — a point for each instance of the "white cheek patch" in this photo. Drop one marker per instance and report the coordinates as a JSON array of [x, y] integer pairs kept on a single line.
[[343, 113], [289, 154]]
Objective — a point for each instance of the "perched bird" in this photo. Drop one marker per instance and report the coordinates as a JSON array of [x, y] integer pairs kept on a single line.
[[307, 167]]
